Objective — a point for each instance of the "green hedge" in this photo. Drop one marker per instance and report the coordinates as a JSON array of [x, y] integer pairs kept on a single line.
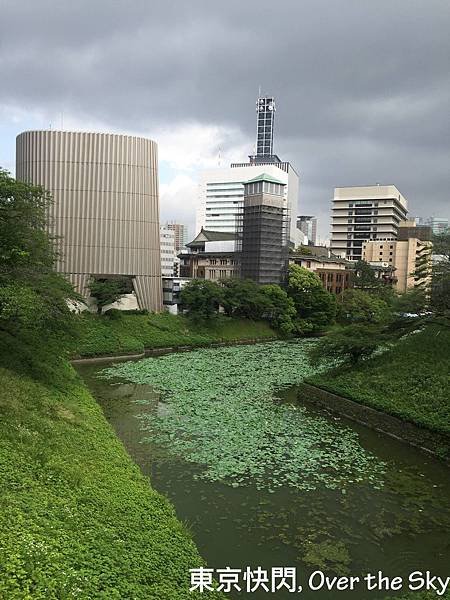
[[410, 380], [77, 518], [132, 333]]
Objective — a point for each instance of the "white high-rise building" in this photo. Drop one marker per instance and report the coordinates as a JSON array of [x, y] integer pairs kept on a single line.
[[308, 226], [221, 191], [364, 213], [221, 194], [181, 234], [168, 252]]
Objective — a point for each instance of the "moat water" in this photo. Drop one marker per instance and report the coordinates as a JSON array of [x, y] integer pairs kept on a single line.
[[398, 528]]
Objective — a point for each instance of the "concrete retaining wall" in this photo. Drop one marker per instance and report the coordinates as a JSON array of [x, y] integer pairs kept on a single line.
[[437, 444]]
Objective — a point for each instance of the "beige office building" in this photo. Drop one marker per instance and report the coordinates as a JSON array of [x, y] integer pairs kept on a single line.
[[364, 213], [409, 256], [106, 206]]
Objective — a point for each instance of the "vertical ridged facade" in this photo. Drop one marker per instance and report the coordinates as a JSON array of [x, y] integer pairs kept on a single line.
[[106, 207]]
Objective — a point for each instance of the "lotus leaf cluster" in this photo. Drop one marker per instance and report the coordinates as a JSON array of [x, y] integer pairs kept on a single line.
[[224, 413]]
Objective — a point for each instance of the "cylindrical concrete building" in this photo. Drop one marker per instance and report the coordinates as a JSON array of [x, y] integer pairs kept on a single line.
[[106, 206]]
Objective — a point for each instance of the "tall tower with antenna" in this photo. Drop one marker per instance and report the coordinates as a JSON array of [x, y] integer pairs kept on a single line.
[[265, 110]]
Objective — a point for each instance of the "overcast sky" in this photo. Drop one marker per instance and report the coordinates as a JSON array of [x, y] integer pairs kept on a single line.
[[362, 87]]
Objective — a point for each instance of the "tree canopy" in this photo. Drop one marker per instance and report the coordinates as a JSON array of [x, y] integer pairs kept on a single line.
[[358, 306], [32, 294], [440, 286], [350, 343], [107, 291], [201, 298], [315, 306]]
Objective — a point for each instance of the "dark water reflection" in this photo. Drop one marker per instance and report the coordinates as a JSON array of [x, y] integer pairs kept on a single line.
[[399, 529]]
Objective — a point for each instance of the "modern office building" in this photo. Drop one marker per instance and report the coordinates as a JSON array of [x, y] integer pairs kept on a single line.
[[221, 190], [181, 234], [262, 235], [365, 213], [106, 207], [172, 287], [222, 195], [168, 252], [409, 256], [307, 224]]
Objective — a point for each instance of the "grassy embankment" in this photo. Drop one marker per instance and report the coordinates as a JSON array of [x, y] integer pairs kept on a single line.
[[77, 518], [132, 333], [420, 596], [410, 380]]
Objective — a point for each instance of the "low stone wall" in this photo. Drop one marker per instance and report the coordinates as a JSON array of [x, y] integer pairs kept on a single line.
[[437, 444], [105, 358], [167, 350]]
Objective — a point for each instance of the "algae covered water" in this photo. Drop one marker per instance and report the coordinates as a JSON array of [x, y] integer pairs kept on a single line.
[[264, 481]]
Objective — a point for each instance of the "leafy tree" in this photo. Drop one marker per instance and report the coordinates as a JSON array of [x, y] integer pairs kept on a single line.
[[32, 295], [365, 277], [107, 291], [280, 310], [413, 301], [315, 306], [201, 298], [303, 250], [349, 343], [440, 283], [243, 298], [358, 306], [26, 249]]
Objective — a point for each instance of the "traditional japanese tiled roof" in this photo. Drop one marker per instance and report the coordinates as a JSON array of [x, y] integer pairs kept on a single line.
[[206, 235]]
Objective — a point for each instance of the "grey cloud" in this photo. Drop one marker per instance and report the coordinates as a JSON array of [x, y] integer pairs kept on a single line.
[[362, 87]]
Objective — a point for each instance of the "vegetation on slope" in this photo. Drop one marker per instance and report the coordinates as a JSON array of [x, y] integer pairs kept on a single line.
[[132, 333], [410, 380], [77, 518], [420, 596]]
